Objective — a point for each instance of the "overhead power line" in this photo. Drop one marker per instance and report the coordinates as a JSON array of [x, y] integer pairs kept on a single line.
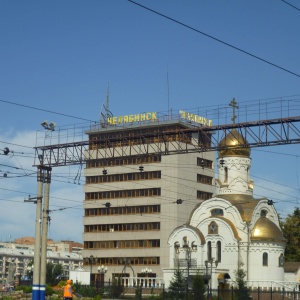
[[45, 110], [216, 39], [291, 5]]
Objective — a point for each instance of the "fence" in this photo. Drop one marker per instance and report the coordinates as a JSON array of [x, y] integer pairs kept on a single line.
[[256, 294]]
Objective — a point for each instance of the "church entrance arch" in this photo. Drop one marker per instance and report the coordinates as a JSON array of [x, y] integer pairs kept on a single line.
[[223, 285]]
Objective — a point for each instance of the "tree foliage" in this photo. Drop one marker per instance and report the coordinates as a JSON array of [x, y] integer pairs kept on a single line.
[[177, 285], [116, 288], [198, 287], [53, 273], [243, 292], [291, 232]]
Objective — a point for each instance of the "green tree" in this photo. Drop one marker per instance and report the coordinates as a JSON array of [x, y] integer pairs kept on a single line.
[[138, 293], [243, 292], [198, 287], [53, 273], [177, 285], [116, 288], [291, 231]]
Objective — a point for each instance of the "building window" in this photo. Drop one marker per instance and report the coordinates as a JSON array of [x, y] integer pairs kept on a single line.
[[119, 261], [265, 259], [213, 228], [123, 194], [217, 212], [209, 251], [281, 260], [123, 177], [263, 213], [151, 226], [204, 163], [219, 251], [127, 244], [226, 174], [204, 179], [120, 161], [203, 195], [126, 210]]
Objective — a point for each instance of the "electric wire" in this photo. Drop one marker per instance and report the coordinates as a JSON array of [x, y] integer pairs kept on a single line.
[[45, 110], [188, 198], [143, 185], [290, 5], [214, 38]]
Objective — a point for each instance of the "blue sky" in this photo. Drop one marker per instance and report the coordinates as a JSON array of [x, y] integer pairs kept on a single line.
[[57, 59]]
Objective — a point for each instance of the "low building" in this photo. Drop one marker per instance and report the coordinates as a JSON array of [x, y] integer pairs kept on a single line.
[[16, 258]]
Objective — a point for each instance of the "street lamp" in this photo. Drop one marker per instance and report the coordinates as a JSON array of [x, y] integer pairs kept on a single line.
[[188, 250], [102, 270], [30, 271], [210, 263], [146, 273], [91, 260]]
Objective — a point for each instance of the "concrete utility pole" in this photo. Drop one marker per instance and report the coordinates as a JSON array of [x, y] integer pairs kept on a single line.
[[37, 261], [47, 180]]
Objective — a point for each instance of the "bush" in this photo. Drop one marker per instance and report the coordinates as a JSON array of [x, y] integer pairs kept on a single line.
[[49, 290], [27, 289]]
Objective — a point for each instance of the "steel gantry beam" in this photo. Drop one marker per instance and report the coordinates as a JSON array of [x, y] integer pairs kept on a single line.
[[261, 133]]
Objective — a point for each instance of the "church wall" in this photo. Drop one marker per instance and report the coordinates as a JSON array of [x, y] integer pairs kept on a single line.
[[261, 268]]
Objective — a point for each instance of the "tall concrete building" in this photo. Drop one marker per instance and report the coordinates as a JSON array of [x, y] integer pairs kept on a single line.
[[138, 189]]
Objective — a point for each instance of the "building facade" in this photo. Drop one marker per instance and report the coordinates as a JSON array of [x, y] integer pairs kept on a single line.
[[134, 200], [16, 258]]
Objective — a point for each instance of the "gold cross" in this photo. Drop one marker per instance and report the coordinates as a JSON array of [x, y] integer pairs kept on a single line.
[[234, 105]]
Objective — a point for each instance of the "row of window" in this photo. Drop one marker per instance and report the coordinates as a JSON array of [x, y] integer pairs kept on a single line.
[[203, 195], [123, 177], [265, 260], [128, 244], [126, 210], [122, 161], [204, 179], [218, 256], [122, 227], [121, 261], [98, 142], [123, 194]]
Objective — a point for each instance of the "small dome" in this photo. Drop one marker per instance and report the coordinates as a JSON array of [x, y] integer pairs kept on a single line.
[[266, 230], [234, 144]]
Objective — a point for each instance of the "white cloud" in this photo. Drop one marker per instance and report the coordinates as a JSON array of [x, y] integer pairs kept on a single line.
[[17, 218]]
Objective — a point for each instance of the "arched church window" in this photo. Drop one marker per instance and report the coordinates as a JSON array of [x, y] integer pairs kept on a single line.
[[213, 228], [209, 251], [263, 213], [217, 212], [265, 259], [226, 174], [219, 251], [281, 260]]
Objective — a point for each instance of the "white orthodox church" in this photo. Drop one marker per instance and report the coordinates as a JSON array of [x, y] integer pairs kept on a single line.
[[232, 229]]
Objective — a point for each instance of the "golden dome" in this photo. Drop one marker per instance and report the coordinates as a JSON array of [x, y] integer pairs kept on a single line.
[[266, 230], [234, 144]]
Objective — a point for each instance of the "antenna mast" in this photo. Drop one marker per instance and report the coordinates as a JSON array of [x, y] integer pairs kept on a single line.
[[105, 112]]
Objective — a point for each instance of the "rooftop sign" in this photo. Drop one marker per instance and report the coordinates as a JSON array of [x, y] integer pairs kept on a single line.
[[150, 116], [195, 118]]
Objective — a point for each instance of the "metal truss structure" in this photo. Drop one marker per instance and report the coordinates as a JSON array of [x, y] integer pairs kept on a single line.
[[271, 132]]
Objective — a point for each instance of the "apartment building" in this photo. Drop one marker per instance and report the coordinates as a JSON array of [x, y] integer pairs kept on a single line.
[[138, 189], [16, 257]]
